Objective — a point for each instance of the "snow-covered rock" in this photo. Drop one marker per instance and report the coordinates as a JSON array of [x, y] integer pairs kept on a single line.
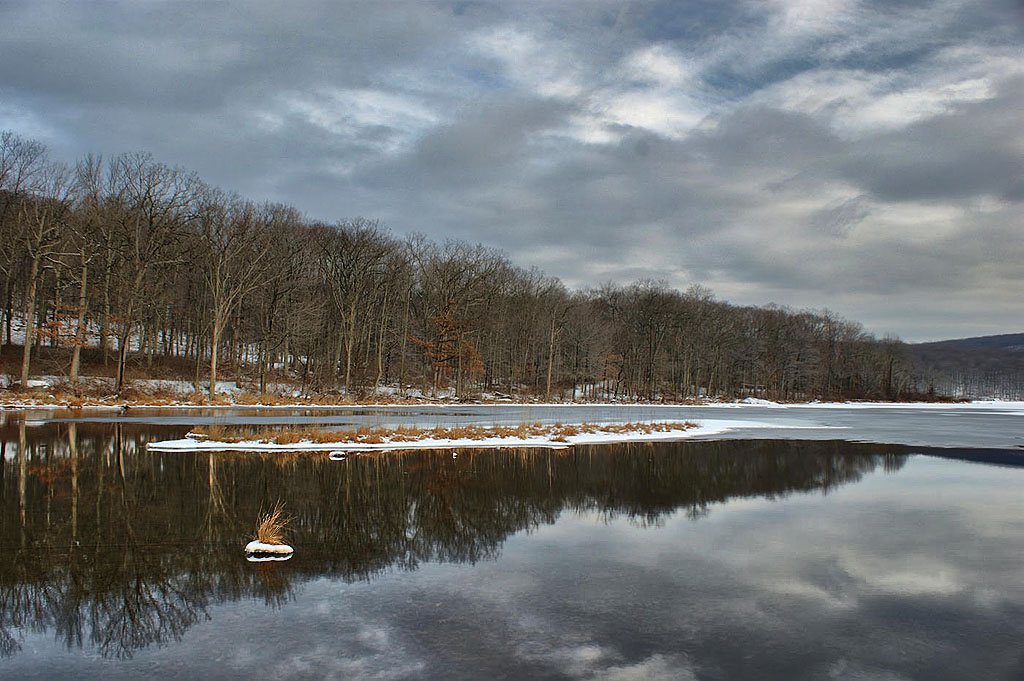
[[257, 549]]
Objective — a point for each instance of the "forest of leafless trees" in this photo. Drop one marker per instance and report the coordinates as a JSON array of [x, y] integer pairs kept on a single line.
[[126, 267]]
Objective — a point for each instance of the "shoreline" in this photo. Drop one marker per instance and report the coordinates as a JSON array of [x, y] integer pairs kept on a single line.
[[158, 394], [127, 405]]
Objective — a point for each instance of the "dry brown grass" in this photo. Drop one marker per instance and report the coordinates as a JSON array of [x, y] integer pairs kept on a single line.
[[378, 435], [75, 401], [270, 525], [203, 399], [217, 433], [269, 399], [251, 399], [96, 391], [288, 438]]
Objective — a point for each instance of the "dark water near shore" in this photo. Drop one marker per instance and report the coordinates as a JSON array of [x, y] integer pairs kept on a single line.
[[766, 559]]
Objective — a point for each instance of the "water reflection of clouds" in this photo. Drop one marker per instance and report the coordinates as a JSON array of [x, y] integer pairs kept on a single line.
[[322, 637], [827, 587], [600, 664], [913, 574], [530, 646], [848, 586]]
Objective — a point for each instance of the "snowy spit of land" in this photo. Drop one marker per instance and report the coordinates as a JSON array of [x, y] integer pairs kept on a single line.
[[712, 427]]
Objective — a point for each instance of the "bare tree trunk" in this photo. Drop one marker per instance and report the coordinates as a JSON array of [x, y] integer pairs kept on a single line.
[[105, 323], [124, 340], [551, 359], [122, 358], [76, 352], [7, 309], [380, 352], [151, 340], [458, 374], [262, 361], [213, 358], [405, 338], [243, 350], [349, 344], [30, 308], [199, 363]]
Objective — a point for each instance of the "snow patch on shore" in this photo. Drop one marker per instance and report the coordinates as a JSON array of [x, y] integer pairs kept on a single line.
[[704, 428]]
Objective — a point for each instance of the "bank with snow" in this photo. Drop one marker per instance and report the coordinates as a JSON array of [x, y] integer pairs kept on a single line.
[[342, 446]]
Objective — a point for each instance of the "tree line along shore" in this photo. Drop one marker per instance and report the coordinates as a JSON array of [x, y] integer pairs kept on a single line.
[[124, 267]]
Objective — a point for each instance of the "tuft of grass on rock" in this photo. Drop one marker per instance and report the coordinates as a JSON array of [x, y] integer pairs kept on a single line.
[[270, 525]]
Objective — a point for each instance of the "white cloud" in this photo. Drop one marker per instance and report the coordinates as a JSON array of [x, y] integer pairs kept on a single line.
[[856, 101], [543, 67], [351, 112], [812, 16], [664, 113], [660, 65], [654, 668]]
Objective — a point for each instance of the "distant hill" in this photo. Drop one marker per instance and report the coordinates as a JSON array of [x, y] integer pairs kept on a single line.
[[984, 366], [1005, 341]]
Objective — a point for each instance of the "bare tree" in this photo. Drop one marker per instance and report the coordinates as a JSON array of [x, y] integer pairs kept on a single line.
[[354, 260], [235, 246], [20, 160], [44, 212], [154, 203], [277, 304], [453, 290], [84, 237]]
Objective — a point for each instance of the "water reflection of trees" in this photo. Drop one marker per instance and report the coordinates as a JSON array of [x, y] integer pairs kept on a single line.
[[115, 548]]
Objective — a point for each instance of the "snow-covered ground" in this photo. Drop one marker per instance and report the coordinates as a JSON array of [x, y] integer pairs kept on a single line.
[[704, 428], [176, 392]]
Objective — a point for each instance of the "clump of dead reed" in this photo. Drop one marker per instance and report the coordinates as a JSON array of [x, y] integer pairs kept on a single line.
[[270, 525], [557, 432]]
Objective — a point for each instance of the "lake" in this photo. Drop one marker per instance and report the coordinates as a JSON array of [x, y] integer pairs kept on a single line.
[[806, 543]]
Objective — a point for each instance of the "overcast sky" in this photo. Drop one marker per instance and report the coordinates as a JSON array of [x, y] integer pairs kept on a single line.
[[867, 157]]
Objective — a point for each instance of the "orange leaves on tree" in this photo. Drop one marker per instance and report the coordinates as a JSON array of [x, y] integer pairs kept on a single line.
[[450, 347]]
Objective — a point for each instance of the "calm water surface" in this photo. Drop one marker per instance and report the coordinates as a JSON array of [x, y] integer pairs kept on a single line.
[[761, 559], [975, 425]]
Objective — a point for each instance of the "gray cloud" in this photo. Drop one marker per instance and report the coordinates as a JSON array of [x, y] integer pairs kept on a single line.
[[972, 150], [862, 156]]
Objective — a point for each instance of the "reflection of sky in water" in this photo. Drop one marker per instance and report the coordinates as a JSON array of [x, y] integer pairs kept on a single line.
[[903, 576]]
